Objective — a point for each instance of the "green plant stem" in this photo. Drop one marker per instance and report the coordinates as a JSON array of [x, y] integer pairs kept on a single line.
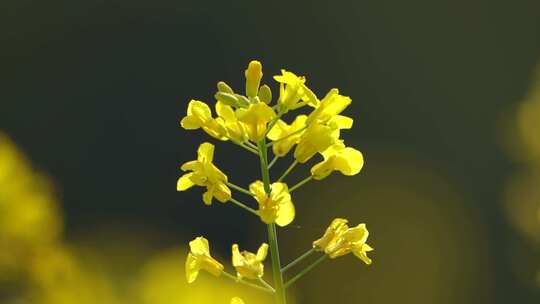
[[236, 187], [295, 162], [301, 183], [298, 260], [244, 206], [247, 148], [272, 233], [273, 162], [305, 271], [251, 145], [252, 285], [263, 282]]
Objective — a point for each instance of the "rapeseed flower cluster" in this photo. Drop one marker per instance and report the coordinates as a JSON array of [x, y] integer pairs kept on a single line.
[[250, 120]]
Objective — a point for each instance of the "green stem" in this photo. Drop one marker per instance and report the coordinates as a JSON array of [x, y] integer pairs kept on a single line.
[[251, 145], [245, 191], [305, 271], [272, 233], [237, 280], [295, 162], [301, 183], [247, 148], [273, 162], [244, 206], [263, 282], [298, 260]]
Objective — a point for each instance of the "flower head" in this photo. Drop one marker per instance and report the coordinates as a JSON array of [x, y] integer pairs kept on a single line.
[[200, 258], [274, 208], [337, 157], [286, 136], [255, 119], [247, 264], [340, 240], [198, 116], [205, 174], [236, 130]]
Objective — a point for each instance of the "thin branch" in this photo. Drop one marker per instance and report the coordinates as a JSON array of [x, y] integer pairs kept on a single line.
[[274, 160], [298, 260], [263, 282], [244, 206], [301, 183], [241, 281], [247, 148], [238, 188], [295, 162], [305, 271]]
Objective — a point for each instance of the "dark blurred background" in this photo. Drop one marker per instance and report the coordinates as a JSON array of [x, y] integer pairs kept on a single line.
[[92, 92]]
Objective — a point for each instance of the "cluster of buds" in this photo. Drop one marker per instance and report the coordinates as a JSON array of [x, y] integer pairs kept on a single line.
[[251, 121]]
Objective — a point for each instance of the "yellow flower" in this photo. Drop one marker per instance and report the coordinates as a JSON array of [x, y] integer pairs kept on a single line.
[[205, 174], [198, 116], [331, 105], [255, 119], [253, 78], [340, 240], [235, 129], [236, 300], [337, 157], [276, 208], [200, 258], [292, 90], [316, 139], [291, 134], [247, 264]]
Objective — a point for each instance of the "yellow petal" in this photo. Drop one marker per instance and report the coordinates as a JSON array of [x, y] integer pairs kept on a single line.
[[205, 153], [237, 258], [285, 214], [192, 268], [253, 75], [199, 246], [184, 182], [262, 252], [237, 300], [208, 195]]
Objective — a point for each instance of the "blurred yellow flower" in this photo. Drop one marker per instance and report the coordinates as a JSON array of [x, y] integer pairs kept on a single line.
[[255, 118], [253, 75], [285, 135], [247, 264], [205, 174], [236, 300], [274, 208], [337, 157], [200, 258], [340, 240], [198, 116]]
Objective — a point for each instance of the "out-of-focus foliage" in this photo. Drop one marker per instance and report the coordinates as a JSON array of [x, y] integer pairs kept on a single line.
[[522, 199], [38, 266]]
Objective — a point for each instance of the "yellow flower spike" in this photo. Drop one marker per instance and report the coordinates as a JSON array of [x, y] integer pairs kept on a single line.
[[247, 264], [253, 75], [235, 129], [282, 130], [205, 174], [198, 116], [346, 160], [331, 105], [278, 207], [255, 119], [200, 258], [336, 228], [237, 300], [316, 139], [292, 90]]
